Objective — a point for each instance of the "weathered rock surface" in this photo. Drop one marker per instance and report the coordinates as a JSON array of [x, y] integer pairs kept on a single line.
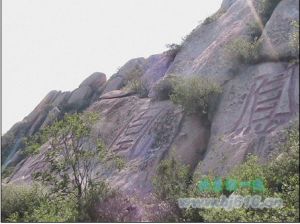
[[190, 144], [258, 102], [276, 41], [135, 66], [52, 107], [204, 50], [254, 109], [95, 81], [158, 65], [116, 94]]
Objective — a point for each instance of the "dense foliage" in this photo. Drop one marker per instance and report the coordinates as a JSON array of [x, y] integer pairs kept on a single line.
[[139, 87], [31, 204], [196, 94], [71, 185], [134, 83], [295, 38], [172, 180], [280, 177], [243, 50]]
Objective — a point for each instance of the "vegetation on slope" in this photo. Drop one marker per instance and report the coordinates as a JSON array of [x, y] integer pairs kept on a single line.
[[69, 186], [280, 177]]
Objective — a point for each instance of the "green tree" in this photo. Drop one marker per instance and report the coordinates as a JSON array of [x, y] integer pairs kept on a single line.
[[72, 157]]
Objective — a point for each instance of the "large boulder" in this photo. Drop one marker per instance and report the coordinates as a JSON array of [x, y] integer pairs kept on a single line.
[[80, 98], [157, 66], [136, 67], [189, 146], [13, 140], [204, 51], [95, 81], [254, 109], [277, 38], [116, 94]]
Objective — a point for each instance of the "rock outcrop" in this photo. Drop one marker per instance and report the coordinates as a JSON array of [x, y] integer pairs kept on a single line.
[[51, 108], [259, 100]]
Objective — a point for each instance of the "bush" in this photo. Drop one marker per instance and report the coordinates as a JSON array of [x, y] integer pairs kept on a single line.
[[295, 38], [96, 194], [139, 87], [18, 200], [281, 178], [30, 204], [171, 180], [54, 210], [243, 50], [134, 83], [195, 94], [173, 49], [7, 171]]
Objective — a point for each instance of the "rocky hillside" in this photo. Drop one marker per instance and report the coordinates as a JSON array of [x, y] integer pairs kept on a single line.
[[247, 47]]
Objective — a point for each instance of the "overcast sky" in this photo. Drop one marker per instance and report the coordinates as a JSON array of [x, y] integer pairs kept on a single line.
[[55, 44]]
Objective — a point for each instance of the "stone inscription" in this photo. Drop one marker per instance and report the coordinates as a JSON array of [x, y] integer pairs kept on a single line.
[[130, 136], [269, 103]]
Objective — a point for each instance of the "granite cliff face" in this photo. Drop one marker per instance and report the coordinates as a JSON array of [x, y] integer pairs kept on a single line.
[[259, 100]]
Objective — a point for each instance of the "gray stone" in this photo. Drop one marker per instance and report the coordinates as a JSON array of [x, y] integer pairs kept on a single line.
[[118, 80], [61, 99], [80, 98], [190, 144], [276, 41], [51, 117], [116, 94], [95, 81], [255, 107], [204, 53], [158, 65]]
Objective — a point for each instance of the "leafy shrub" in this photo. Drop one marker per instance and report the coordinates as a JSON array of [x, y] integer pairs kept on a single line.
[[243, 50], [295, 38], [139, 87], [173, 49], [29, 204], [195, 94], [18, 200], [134, 83], [281, 178], [7, 172], [54, 210], [97, 193], [33, 143], [171, 180], [110, 160]]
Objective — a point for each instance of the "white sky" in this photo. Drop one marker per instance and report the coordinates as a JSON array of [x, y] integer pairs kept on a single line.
[[55, 44]]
